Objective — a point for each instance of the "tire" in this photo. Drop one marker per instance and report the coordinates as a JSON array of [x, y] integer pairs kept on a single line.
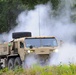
[[43, 59], [11, 63], [17, 62], [21, 34], [1, 65]]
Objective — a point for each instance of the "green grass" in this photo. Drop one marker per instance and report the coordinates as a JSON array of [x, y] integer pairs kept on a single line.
[[38, 70]]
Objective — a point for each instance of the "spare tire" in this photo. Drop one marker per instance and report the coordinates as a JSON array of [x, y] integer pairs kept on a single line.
[[21, 34]]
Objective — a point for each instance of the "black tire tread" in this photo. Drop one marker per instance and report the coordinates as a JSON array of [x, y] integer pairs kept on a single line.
[[11, 60], [21, 34], [17, 60]]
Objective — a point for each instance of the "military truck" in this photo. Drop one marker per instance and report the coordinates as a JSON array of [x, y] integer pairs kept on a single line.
[[14, 53]]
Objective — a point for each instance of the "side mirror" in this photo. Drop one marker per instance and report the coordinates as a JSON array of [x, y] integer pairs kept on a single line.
[[31, 46], [61, 42]]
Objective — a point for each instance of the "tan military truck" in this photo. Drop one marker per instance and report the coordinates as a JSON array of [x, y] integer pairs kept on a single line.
[[13, 53]]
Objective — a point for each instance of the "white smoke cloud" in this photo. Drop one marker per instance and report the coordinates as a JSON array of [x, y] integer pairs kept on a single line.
[[30, 61], [42, 22], [66, 55]]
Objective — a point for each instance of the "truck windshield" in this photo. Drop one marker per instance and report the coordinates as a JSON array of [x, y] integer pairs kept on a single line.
[[41, 42]]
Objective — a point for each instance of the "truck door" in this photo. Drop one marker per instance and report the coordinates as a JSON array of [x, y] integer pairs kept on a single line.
[[21, 49]]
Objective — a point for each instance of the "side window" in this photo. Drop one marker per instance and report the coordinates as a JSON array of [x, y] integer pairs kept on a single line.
[[21, 45]]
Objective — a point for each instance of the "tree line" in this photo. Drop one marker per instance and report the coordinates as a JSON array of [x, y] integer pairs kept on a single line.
[[10, 9]]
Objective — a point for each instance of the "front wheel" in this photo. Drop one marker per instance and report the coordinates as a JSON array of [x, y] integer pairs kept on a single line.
[[17, 62], [43, 59]]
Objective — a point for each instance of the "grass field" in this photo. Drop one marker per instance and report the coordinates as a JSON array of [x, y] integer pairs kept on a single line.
[[38, 70]]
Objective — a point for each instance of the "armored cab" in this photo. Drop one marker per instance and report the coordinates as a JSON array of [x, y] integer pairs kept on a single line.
[[14, 53]]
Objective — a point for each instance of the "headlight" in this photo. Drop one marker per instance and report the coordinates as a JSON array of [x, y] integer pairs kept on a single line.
[[28, 51], [56, 50]]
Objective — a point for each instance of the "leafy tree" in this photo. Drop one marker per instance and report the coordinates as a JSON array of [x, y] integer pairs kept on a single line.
[[9, 10]]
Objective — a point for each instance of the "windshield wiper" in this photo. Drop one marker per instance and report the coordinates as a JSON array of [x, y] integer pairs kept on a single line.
[[46, 45]]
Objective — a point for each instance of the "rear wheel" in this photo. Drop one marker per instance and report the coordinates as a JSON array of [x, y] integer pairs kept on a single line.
[[17, 62], [11, 63]]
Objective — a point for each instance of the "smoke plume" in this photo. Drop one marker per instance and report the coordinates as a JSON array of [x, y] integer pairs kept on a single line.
[[43, 22], [66, 55]]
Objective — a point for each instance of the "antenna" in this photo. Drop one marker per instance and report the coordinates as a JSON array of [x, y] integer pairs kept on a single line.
[[39, 25], [39, 21]]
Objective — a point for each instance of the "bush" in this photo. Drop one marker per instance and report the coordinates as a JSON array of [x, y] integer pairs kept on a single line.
[[39, 70]]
